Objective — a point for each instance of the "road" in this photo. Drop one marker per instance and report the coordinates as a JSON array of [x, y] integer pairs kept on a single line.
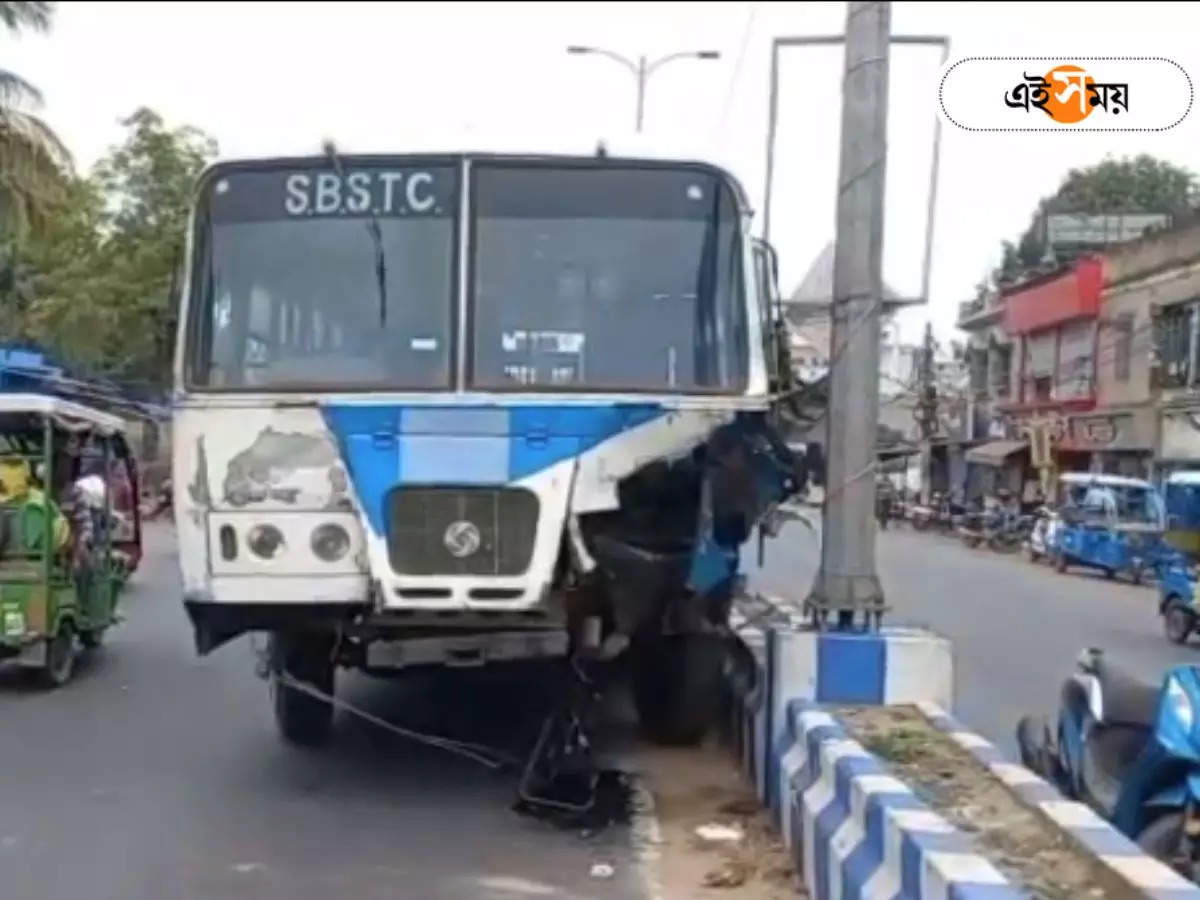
[[1017, 627], [157, 775]]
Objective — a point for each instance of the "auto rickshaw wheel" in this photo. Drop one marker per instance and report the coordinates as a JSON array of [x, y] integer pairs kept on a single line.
[[1178, 623], [60, 657], [92, 640], [1110, 574], [1060, 562]]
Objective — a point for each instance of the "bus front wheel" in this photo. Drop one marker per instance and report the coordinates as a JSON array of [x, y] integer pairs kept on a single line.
[[677, 686], [303, 717]]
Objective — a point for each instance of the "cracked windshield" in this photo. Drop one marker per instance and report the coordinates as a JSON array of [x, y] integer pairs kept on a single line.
[[491, 451]]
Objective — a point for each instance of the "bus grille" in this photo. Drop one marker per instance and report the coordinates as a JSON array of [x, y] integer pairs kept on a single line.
[[461, 531]]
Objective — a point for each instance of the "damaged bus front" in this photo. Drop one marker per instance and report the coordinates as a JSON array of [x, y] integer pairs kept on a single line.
[[464, 410]]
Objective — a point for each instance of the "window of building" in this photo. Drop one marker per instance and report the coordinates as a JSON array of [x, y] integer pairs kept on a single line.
[[1173, 345], [1123, 347], [1076, 360], [1001, 371]]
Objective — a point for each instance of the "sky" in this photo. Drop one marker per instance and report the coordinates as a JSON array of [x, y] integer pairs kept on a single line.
[[265, 78]]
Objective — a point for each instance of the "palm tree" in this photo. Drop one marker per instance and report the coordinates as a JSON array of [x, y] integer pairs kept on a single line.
[[33, 160]]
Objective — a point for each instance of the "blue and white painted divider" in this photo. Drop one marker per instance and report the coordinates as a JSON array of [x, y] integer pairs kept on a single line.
[[893, 665], [855, 830], [859, 832], [1124, 860]]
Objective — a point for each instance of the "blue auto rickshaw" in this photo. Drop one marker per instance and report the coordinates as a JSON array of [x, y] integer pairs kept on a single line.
[[1110, 523], [1178, 602]]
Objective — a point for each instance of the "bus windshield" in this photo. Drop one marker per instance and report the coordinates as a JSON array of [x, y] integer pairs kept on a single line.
[[588, 276], [288, 278], [601, 278]]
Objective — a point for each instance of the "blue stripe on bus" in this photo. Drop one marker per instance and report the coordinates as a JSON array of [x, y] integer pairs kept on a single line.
[[387, 445]]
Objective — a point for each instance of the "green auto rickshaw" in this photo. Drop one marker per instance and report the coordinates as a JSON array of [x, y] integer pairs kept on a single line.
[[70, 533]]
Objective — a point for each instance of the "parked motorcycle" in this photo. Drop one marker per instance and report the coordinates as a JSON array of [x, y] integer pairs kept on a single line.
[[939, 515], [1130, 751], [1041, 541], [974, 526], [1011, 534]]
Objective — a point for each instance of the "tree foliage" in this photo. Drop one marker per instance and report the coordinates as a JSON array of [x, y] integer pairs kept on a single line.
[[1141, 184], [94, 285], [33, 161]]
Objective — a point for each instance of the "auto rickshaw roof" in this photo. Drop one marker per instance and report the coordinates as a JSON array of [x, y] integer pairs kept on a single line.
[[70, 415], [1105, 480], [1184, 478]]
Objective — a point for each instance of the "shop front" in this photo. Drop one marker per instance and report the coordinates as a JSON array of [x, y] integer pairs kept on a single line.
[[994, 466], [1112, 441]]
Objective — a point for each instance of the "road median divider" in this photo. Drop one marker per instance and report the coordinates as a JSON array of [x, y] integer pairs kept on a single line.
[[878, 792]]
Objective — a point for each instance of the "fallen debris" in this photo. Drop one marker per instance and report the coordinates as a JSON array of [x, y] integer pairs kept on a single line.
[[732, 873], [714, 832]]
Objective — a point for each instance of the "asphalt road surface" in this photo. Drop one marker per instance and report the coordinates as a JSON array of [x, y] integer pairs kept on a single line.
[[1017, 627], [157, 775]]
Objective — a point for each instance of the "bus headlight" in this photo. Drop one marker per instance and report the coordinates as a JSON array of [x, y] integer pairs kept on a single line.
[[330, 542], [265, 541]]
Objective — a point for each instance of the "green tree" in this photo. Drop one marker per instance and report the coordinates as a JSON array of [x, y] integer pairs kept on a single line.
[[1128, 185], [105, 264], [33, 161]]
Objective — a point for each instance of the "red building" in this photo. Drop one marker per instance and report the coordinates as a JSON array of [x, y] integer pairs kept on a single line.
[[1054, 324]]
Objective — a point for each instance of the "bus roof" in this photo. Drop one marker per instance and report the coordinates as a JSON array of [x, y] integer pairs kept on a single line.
[[1110, 480], [49, 405], [624, 147]]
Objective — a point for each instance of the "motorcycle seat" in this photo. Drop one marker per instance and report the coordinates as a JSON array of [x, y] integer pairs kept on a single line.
[[1128, 700]]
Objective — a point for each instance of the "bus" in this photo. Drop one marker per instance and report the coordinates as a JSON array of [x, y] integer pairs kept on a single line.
[[464, 409]]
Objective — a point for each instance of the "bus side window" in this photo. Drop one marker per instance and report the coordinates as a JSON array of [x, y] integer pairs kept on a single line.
[[763, 293]]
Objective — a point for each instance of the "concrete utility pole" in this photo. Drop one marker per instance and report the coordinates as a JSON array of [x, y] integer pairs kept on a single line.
[[847, 583], [926, 411]]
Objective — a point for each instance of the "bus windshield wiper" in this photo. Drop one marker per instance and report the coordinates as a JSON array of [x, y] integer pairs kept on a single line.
[[373, 230]]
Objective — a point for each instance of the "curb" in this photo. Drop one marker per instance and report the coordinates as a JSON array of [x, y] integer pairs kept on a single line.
[[853, 828], [856, 830], [1125, 861]]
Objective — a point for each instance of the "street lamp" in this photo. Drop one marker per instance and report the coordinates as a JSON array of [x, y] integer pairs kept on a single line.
[[642, 69]]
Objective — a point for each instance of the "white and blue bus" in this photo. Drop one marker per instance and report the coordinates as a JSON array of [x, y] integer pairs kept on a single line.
[[465, 408]]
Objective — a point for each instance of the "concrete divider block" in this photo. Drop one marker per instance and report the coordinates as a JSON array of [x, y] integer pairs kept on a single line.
[[856, 831], [893, 665], [1126, 862]]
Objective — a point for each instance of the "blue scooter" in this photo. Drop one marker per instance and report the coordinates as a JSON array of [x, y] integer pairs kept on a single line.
[[1130, 751]]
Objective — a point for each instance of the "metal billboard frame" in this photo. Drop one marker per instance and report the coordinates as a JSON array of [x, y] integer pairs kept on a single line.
[[927, 40]]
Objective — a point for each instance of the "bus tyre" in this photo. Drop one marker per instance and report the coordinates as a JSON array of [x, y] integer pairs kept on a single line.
[[677, 683], [1178, 623], [60, 657], [302, 719]]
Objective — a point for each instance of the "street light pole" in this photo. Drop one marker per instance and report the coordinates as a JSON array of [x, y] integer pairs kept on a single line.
[[642, 70]]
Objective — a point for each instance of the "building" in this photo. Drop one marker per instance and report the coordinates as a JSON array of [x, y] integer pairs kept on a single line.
[[1092, 367], [1164, 271]]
